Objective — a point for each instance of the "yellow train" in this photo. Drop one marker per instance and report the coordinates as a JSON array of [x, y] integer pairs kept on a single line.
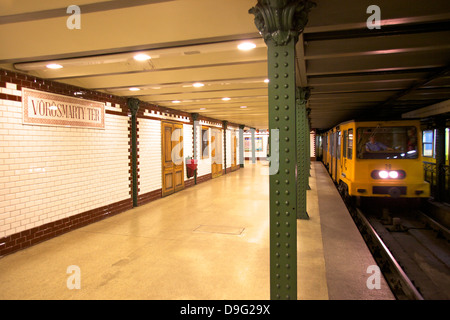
[[376, 159]]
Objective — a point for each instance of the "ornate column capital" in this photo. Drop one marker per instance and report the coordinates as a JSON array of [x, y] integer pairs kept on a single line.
[[281, 20], [133, 105], [302, 94]]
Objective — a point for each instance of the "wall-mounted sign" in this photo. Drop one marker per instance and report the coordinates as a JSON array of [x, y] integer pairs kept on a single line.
[[44, 108]]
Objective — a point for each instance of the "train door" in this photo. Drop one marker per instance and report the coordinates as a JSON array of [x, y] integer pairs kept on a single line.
[[325, 149], [216, 153], [330, 152], [347, 152], [338, 156], [172, 158]]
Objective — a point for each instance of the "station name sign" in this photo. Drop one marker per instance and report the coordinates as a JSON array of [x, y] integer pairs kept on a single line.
[[44, 108]]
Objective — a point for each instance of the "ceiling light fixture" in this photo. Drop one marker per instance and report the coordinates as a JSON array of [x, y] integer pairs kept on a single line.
[[266, 80], [176, 101], [198, 85], [243, 107], [246, 46], [134, 89], [142, 57], [226, 99], [54, 66]]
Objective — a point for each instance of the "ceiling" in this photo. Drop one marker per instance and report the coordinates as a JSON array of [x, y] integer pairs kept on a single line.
[[353, 71]]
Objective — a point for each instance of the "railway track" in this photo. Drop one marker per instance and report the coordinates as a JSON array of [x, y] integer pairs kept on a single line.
[[410, 248]]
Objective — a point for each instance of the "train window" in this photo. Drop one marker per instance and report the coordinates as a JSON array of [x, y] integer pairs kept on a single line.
[[338, 145], [387, 143], [427, 143], [332, 145], [344, 144], [350, 144]]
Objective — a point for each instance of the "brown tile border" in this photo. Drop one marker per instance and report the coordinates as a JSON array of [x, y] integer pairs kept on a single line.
[[149, 196], [27, 238], [204, 178]]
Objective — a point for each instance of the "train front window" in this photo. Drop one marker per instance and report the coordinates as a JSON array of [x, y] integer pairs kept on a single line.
[[387, 143]]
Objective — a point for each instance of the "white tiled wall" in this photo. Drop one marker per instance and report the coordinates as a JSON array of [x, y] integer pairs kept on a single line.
[[150, 176], [228, 144], [204, 165], [50, 173], [261, 154], [238, 146], [187, 144]]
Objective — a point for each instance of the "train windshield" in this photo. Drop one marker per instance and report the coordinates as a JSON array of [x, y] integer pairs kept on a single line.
[[387, 143]]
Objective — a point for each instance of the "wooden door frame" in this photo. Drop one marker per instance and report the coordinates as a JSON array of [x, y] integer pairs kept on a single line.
[[175, 169]]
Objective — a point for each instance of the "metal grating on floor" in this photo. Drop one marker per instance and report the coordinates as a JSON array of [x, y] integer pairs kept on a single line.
[[219, 229]]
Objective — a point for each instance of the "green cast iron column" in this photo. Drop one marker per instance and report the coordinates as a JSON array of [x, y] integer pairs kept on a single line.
[[133, 106], [241, 146], [280, 22], [194, 142], [303, 164], [225, 126]]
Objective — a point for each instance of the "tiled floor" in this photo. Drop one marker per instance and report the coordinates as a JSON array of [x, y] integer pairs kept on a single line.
[[210, 241], [206, 242]]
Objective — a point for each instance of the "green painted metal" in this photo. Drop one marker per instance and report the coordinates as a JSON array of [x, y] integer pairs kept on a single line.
[[303, 164], [194, 142], [308, 123], [280, 22], [225, 126], [133, 106], [241, 146]]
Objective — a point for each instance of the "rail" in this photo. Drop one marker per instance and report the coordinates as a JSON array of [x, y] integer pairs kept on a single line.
[[399, 282]]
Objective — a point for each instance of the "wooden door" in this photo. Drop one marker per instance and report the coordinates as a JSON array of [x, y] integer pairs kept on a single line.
[[172, 158], [216, 153]]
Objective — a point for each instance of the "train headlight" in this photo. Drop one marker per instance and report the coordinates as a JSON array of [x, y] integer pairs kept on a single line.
[[393, 174], [383, 174], [388, 174]]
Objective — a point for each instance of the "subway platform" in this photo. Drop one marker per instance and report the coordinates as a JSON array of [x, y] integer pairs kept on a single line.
[[208, 242]]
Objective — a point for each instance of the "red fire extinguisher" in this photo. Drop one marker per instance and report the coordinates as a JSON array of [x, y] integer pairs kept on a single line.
[[191, 167]]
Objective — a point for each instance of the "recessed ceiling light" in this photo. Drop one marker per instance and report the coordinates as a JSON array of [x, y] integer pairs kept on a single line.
[[134, 89], [198, 85], [243, 107], [266, 80], [226, 99], [176, 101], [141, 57], [54, 66], [246, 46]]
